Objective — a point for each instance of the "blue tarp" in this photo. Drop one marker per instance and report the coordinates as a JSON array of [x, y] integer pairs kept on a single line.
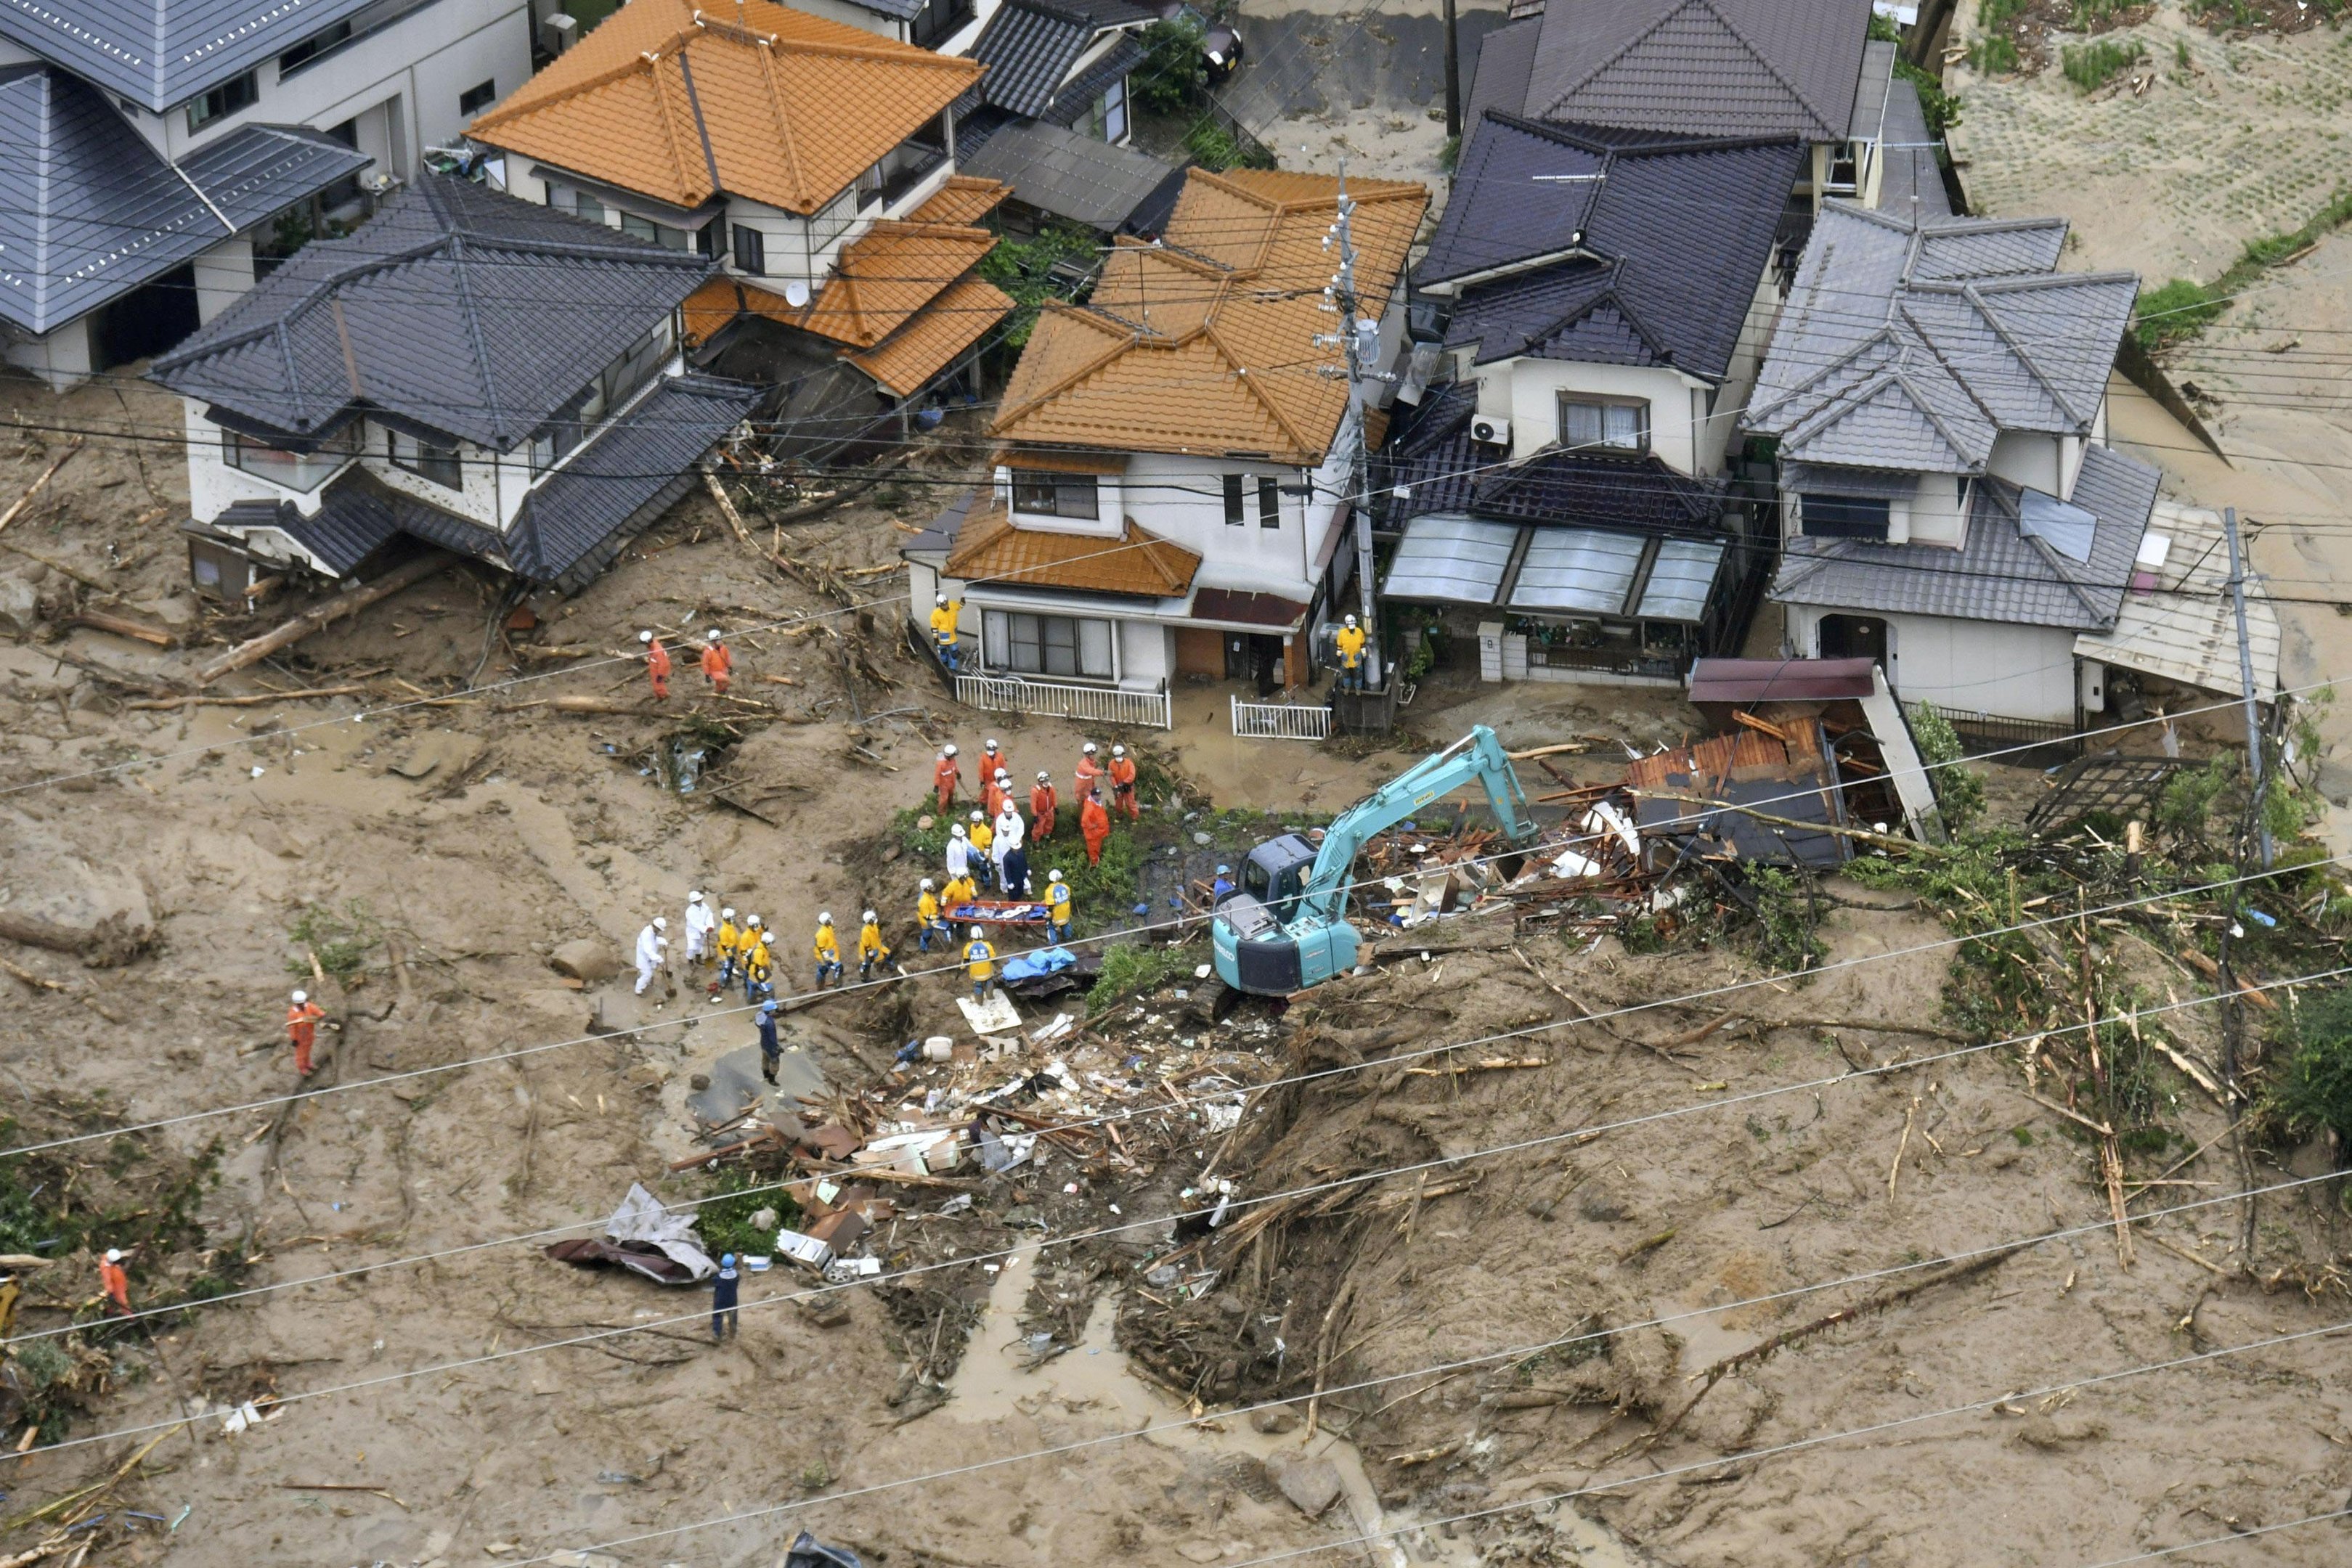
[[1044, 961]]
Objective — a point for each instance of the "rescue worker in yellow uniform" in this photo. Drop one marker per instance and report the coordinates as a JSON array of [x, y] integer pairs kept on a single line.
[[871, 948], [829, 951], [1351, 642], [759, 969], [928, 923], [980, 962], [959, 890], [1057, 907], [944, 612], [980, 835], [727, 946]]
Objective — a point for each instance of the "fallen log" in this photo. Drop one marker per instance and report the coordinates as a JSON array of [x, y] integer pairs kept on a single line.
[[261, 699], [39, 485], [108, 945], [121, 626], [319, 616]]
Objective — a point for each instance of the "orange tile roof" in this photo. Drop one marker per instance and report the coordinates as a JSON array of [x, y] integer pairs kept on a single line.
[[1207, 345], [906, 360], [891, 271], [1058, 460], [963, 199], [764, 102], [989, 549]]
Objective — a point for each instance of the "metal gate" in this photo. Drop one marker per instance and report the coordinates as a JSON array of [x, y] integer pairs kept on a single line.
[[1101, 704], [1281, 721]]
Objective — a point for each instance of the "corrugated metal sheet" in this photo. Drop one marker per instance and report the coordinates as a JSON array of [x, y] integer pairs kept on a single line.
[[1455, 558], [1681, 580], [1578, 569], [2178, 623]]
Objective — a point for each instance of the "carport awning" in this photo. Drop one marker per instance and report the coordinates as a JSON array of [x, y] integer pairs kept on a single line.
[[1451, 558]]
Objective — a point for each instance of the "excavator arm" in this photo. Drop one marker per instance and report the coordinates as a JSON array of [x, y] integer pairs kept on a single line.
[[1288, 929]]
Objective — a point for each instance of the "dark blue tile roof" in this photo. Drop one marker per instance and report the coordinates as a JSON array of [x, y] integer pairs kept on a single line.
[[161, 52], [456, 308], [1077, 96], [89, 210], [1672, 233], [1028, 47]]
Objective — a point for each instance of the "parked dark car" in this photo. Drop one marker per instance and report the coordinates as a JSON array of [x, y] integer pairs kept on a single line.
[[1220, 41]]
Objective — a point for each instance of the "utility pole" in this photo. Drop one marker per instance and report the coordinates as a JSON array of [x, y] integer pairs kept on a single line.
[[1452, 77], [2254, 770], [1339, 295]]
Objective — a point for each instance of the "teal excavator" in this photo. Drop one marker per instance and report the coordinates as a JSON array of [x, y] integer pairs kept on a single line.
[[1285, 927]]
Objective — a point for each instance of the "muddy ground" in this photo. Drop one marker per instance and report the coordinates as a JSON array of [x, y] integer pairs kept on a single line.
[[449, 849]]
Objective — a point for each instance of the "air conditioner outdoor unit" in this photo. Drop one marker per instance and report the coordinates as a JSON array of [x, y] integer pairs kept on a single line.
[[561, 31], [1490, 431]]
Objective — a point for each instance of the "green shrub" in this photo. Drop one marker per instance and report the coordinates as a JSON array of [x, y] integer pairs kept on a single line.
[[1024, 269], [1788, 941], [2180, 309], [1959, 794], [1994, 56], [342, 941], [1131, 968], [724, 1219], [2314, 1089], [2094, 65], [2189, 796], [1216, 148], [1173, 74]]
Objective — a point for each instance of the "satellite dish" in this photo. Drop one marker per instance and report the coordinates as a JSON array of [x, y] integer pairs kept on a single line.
[[796, 293]]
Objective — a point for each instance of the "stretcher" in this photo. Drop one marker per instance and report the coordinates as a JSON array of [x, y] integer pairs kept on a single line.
[[996, 912]]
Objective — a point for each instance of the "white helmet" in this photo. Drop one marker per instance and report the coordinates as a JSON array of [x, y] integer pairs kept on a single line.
[[1044, 777], [645, 636], [1351, 621], [301, 996], [113, 1255], [975, 932], [956, 832], [1053, 876], [711, 635], [752, 920], [726, 915], [926, 885], [826, 918], [978, 818], [939, 599], [694, 898], [989, 745], [1118, 751], [949, 749], [869, 917], [660, 923], [1089, 748]]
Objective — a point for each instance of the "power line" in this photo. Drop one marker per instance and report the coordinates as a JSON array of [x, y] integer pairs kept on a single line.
[[1130, 1226]]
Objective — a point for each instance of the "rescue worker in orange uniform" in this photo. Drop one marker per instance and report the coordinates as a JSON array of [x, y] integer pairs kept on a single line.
[[657, 665], [115, 1283], [994, 792], [1040, 806], [302, 1016], [1090, 773], [1122, 783], [717, 662], [946, 776], [1094, 826], [992, 759]]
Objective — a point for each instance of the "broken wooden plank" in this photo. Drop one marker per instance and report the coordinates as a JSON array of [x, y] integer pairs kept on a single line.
[[121, 626], [39, 485], [318, 617]]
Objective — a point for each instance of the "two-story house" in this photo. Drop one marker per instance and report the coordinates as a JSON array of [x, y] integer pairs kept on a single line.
[[1173, 486], [1806, 69], [1054, 121], [1951, 508], [813, 161], [466, 369], [156, 158], [1601, 301]]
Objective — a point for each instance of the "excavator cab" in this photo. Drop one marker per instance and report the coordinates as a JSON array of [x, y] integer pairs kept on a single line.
[[1274, 871]]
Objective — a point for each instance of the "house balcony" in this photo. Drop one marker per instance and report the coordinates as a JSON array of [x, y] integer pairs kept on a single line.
[[1003, 692]]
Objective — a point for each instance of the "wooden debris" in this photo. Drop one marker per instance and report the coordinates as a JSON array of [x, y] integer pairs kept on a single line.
[[39, 485], [121, 626], [317, 617]]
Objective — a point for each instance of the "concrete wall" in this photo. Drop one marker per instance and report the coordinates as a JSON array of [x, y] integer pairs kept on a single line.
[[61, 357], [223, 273], [475, 500], [1147, 653], [1976, 666], [1182, 500], [1526, 392], [1937, 516], [2030, 459]]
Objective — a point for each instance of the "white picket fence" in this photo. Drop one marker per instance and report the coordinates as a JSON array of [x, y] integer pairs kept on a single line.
[[1281, 721], [1055, 699]]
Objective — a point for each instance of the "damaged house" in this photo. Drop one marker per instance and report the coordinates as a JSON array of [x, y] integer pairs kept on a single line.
[[812, 162], [466, 370], [1599, 303], [1950, 509]]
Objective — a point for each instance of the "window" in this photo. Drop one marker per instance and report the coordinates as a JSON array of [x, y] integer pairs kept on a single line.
[[1269, 503], [1594, 422], [295, 470], [1114, 111], [580, 204], [1845, 164], [936, 20], [869, 186], [311, 47], [646, 229], [751, 250], [1046, 644], [236, 93], [427, 459], [1233, 517], [1045, 493], [478, 98], [1842, 516], [710, 239]]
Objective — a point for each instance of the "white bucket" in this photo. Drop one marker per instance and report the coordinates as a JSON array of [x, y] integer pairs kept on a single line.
[[939, 1048]]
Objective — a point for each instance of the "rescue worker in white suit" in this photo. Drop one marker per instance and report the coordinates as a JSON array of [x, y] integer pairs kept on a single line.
[[652, 944], [699, 923]]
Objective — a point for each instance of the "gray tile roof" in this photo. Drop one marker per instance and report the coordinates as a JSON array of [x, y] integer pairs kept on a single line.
[[457, 307], [1871, 89], [1498, 79], [1912, 346], [159, 53], [1029, 46], [580, 515], [1737, 67], [1077, 95], [89, 210], [1072, 176], [896, 10], [2000, 574], [1912, 185], [1669, 237]]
